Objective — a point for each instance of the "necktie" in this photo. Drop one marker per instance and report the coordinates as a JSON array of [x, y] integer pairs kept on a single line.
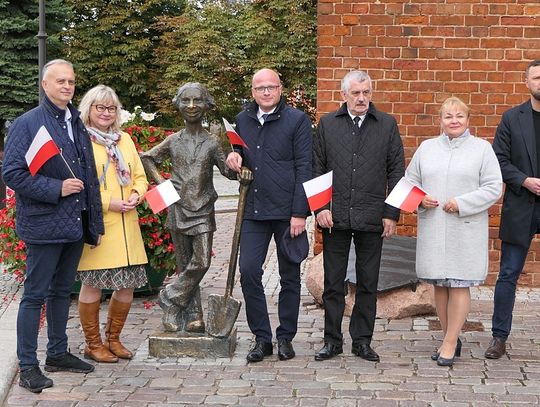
[[357, 121], [264, 116]]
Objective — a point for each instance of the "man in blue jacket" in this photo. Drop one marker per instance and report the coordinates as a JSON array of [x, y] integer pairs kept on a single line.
[[58, 210], [279, 155]]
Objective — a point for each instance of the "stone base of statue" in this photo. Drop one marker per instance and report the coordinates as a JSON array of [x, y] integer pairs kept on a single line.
[[185, 344]]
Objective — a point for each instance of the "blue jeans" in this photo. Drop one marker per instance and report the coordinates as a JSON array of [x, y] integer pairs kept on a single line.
[[513, 258], [50, 273]]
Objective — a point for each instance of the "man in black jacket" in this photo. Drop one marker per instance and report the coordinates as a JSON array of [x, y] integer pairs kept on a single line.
[[279, 155], [517, 146], [363, 147]]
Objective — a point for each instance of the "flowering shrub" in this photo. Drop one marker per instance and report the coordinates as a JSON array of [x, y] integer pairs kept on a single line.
[[156, 236], [12, 250]]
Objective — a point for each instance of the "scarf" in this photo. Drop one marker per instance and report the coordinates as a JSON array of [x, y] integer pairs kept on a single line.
[[110, 142]]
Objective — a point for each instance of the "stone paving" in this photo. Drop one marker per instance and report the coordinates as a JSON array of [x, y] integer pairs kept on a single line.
[[406, 376]]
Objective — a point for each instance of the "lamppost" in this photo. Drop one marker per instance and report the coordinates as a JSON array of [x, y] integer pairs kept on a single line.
[[42, 44]]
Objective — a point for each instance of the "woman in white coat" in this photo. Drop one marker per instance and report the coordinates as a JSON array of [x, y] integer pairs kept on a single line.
[[462, 177]]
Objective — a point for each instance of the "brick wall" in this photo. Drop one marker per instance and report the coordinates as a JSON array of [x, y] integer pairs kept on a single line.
[[418, 54]]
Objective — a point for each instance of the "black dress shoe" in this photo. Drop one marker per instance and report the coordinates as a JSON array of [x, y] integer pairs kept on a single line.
[[496, 349], [285, 349], [364, 351], [259, 351], [436, 355], [328, 351]]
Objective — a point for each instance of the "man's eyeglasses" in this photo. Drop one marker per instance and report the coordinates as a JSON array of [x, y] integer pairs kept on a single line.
[[102, 108], [262, 89]]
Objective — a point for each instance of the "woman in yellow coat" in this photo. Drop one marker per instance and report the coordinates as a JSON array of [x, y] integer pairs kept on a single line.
[[118, 262]]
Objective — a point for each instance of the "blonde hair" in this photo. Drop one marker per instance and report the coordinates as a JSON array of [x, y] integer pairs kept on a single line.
[[454, 102], [100, 94]]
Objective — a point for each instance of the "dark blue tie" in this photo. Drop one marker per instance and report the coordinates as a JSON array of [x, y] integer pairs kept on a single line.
[[356, 120], [264, 116]]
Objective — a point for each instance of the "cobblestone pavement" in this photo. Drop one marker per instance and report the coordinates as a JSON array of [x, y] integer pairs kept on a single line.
[[406, 376]]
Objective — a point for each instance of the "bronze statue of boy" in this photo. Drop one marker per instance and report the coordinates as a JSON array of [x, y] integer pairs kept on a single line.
[[193, 152]]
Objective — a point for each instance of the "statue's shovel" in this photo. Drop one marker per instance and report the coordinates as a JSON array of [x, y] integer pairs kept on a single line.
[[223, 309]]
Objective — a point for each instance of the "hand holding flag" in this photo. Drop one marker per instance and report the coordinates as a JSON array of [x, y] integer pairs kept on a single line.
[[405, 196], [234, 137], [40, 151], [162, 196], [319, 191]]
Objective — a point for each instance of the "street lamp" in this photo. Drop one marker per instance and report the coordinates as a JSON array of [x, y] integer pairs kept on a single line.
[[42, 44]]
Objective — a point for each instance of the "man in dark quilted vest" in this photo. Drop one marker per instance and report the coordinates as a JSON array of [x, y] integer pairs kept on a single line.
[[279, 156], [58, 210], [363, 147]]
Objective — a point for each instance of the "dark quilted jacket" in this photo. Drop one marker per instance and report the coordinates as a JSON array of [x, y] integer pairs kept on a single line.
[[43, 216], [279, 155], [367, 163]]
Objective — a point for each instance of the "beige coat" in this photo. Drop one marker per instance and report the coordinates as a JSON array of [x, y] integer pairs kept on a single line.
[[122, 244]]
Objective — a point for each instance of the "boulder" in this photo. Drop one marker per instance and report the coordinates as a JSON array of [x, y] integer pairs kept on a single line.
[[396, 304]]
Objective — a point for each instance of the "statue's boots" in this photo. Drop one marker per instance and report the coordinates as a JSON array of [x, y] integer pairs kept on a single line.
[[94, 349], [118, 312], [194, 317]]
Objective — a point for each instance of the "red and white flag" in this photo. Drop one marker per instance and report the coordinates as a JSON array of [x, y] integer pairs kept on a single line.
[[319, 190], [405, 196], [41, 150], [234, 137], [162, 196]]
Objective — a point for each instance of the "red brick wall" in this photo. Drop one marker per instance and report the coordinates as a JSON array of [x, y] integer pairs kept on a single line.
[[418, 54]]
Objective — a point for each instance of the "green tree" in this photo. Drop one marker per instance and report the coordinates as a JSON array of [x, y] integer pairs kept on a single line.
[[221, 43], [19, 53], [112, 41]]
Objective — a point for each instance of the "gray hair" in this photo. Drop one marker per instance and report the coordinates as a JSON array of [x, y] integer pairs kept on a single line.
[[357, 76], [208, 99], [54, 62], [100, 94]]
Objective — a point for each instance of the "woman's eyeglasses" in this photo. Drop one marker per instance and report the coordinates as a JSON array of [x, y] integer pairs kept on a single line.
[[102, 108]]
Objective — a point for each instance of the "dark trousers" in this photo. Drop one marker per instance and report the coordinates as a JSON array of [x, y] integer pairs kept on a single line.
[[513, 258], [336, 246], [254, 242], [50, 273]]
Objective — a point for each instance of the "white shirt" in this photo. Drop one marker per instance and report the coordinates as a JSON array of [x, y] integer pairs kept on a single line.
[[260, 114], [67, 119]]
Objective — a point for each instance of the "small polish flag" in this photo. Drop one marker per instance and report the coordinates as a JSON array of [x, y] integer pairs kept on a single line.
[[40, 151], [234, 137], [405, 196], [319, 190], [162, 196]]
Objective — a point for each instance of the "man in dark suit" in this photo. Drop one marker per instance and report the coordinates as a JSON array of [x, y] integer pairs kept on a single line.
[[279, 155], [363, 148], [517, 146]]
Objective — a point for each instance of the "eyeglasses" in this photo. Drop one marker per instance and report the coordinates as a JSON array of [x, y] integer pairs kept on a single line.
[[262, 89], [102, 108]]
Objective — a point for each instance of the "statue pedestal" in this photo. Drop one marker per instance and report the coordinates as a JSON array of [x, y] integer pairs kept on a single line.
[[177, 344]]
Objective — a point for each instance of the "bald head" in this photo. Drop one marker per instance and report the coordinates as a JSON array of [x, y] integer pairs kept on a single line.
[[266, 89]]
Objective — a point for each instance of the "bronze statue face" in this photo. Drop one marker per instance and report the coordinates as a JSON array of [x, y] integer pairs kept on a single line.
[[192, 105]]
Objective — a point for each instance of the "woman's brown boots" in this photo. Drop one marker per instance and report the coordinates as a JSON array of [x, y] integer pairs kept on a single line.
[[118, 312], [89, 315]]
